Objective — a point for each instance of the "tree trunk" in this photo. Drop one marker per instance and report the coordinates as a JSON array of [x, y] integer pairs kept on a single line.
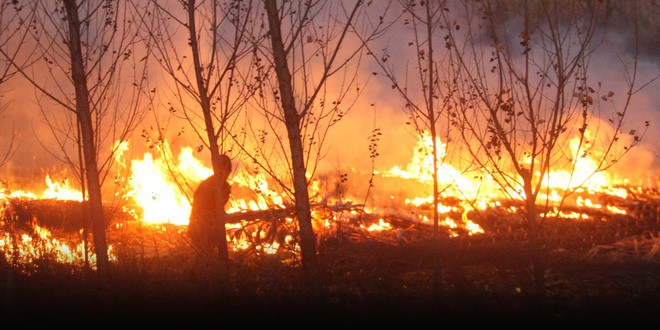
[[84, 117], [205, 103], [539, 257], [85, 205], [7, 285], [292, 120], [437, 263], [536, 248], [431, 114]]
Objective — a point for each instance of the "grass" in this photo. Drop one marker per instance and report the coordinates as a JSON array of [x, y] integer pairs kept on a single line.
[[364, 282], [601, 270]]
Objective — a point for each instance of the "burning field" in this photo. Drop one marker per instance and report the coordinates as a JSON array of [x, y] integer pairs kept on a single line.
[[604, 241], [282, 161]]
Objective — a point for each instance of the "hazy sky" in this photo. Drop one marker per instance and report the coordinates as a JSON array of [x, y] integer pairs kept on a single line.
[[379, 107]]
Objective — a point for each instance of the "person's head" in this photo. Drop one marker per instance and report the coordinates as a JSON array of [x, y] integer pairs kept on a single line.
[[225, 165]]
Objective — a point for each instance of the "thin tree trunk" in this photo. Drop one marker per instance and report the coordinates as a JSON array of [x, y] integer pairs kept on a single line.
[[84, 118], [84, 205], [537, 254], [7, 285], [437, 263], [292, 119], [539, 257], [205, 103], [431, 113]]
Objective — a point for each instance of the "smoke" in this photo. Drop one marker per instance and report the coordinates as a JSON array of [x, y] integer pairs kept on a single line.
[[612, 65], [347, 149], [632, 32], [628, 31], [22, 122]]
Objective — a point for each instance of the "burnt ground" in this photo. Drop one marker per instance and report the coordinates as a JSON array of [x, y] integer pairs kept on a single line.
[[364, 282], [604, 270]]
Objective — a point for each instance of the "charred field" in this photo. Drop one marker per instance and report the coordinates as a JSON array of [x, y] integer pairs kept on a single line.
[[378, 267]]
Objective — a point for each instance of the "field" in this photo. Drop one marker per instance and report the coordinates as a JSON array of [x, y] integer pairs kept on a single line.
[[377, 267]]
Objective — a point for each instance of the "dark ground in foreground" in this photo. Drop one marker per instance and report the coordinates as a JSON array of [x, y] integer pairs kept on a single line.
[[365, 282], [606, 269]]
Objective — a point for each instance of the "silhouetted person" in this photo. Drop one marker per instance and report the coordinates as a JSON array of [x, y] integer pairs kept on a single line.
[[204, 227]]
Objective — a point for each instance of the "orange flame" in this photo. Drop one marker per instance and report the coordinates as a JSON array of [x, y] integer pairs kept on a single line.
[[155, 191], [25, 249], [162, 193], [482, 192], [380, 226], [54, 190]]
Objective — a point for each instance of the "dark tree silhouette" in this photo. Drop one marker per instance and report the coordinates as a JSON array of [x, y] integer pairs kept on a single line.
[[524, 91], [206, 73], [85, 48]]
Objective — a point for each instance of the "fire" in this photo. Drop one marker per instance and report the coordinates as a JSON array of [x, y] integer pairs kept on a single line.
[[54, 190], [586, 202], [418, 201], [161, 192], [156, 193], [555, 213], [584, 173], [451, 224], [478, 189], [452, 181], [480, 192], [22, 248], [165, 197], [26, 248], [380, 226], [473, 228], [616, 210], [264, 197], [61, 191]]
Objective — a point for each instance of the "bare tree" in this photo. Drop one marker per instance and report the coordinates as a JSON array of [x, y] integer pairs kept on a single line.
[[87, 49], [207, 84], [525, 89], [11, 146], [315, 72], [13, 16], [426, 89]]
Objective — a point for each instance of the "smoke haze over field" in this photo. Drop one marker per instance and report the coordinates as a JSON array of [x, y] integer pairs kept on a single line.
[[379, 107]]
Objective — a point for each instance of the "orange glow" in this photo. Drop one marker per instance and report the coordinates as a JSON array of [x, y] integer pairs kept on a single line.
[[482, 192], [61, 191], [457, 184], [555, 213], [26, 248], [54, 190], [380, 226], [159, 196], [160, 191]]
